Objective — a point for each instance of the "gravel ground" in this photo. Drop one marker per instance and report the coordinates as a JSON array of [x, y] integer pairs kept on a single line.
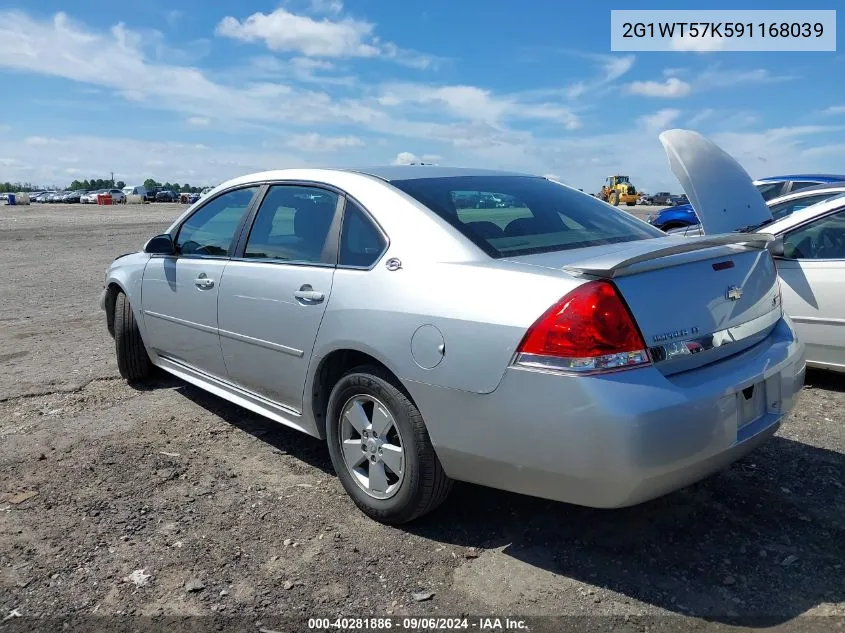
[[167, 501]]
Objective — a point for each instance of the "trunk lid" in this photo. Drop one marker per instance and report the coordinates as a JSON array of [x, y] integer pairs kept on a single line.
[[695, 300], [720, 191]]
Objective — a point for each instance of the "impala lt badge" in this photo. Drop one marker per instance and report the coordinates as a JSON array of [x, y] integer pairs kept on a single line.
[[670, 336], [734, 293]]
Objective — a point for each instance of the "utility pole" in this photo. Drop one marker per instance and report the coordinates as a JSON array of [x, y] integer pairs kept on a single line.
[[112, 179]]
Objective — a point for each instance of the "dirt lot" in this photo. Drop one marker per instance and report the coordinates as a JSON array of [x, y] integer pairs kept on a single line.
[[230, 515]]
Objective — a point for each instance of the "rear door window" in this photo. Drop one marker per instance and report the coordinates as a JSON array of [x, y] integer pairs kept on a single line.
[[292, 225], [518, 215]]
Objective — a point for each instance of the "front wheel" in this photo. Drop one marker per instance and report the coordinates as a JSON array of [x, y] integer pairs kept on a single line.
[[133, 362], [381, 450], [614, 199]]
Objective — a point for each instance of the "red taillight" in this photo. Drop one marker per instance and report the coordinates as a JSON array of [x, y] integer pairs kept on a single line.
[[590, 329]]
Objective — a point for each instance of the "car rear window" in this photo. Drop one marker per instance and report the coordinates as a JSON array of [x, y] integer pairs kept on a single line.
[[520, 215]]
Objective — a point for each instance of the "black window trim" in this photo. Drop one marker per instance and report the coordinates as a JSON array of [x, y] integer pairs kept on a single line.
[[330, 248], [373, 222], [235, 238], [804, 224]]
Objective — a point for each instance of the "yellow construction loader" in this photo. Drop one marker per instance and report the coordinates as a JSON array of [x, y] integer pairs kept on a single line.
[[618, 189]]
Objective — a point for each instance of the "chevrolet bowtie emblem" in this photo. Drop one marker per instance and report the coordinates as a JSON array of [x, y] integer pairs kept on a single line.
[[734, 293]]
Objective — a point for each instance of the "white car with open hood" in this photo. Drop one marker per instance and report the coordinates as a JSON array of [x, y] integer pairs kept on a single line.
[[808, 246]]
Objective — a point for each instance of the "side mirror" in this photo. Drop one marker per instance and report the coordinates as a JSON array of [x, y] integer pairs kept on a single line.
[[160, 245], [775, 247]]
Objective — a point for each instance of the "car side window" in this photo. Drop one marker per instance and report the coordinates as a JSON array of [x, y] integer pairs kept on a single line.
[[770, 190], [789, 207], [822, 239], [211, 230], [801, 184], [292, 224], [361, 243]]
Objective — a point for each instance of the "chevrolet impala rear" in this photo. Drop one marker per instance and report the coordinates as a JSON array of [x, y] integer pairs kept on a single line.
[[606, 365]]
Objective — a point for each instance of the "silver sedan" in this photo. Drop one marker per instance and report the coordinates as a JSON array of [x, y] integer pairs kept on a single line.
[[545, 343]]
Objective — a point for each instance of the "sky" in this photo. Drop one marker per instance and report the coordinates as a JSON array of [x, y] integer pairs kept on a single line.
[[199, 91]]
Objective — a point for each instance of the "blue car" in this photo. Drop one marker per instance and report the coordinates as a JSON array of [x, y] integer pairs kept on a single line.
[[683, 215]]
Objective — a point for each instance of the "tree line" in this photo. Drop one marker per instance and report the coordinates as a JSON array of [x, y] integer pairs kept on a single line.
[[98, 183]]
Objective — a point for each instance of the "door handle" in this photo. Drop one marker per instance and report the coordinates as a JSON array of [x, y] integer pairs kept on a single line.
[[306, 293], [202, 282]]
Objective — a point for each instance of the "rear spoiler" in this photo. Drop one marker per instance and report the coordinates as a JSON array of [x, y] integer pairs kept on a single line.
[[608, 266]]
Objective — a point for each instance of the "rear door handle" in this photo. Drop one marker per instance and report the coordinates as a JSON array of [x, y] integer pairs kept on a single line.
[[203, 282], [306, 293]]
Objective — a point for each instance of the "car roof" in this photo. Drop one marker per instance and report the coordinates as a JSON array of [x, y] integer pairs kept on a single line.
[[825, 178], [413, 172]]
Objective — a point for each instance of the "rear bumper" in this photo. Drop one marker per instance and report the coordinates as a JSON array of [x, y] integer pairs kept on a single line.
[[615, 440]]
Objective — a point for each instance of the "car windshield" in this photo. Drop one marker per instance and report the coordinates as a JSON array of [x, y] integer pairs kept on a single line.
[[520, 215]]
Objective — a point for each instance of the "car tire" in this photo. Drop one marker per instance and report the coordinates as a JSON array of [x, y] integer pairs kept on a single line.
[[133, 362], [613, 199], [422, 485]]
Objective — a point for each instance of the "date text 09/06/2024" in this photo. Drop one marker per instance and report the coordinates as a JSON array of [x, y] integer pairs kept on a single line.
[[421, 623]]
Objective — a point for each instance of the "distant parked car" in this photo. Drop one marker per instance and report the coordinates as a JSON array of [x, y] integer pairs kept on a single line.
[[166, 196], [137, 190], [91, 196], [117, 196], [660, 198], [74, 197]]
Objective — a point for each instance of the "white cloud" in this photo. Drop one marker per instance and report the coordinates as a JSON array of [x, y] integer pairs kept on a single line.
[[282, 30], [784, 149], [477, 104], [332, 37], [672, 88], [834, 110], [717, 77], [327, 6], [611, 69], [318, 143], [701, 116], [660, 120], [405, 158], [199, 120]]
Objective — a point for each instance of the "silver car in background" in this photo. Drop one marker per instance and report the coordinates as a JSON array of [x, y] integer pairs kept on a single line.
[[553, 347]]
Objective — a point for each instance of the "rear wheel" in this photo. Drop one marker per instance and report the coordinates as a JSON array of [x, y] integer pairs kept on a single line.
[[133, 362], [381, 450]]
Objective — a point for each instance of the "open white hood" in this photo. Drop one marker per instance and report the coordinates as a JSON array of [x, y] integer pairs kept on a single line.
[[720, 191]]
